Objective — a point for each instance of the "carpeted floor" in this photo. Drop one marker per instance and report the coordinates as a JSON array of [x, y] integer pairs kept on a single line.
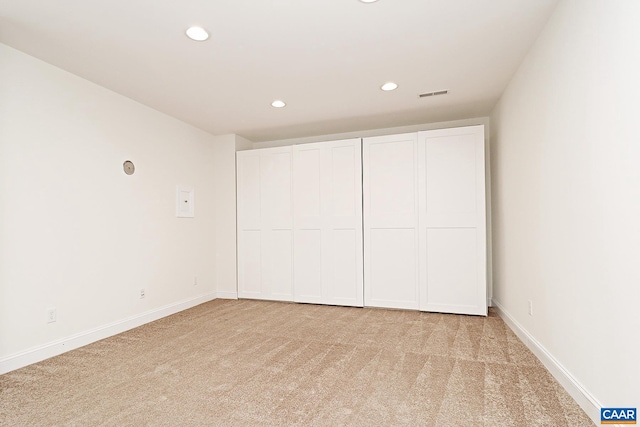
[[258, 363]]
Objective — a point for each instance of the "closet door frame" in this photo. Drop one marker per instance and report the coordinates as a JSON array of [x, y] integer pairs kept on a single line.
[[397, 227]]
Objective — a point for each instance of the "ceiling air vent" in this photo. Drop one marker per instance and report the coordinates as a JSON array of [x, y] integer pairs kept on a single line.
[[440, 92]]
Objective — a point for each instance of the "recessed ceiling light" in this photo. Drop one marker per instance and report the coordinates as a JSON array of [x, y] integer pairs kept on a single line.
[[197, 33], [278, 104], [389, 86], [368, 1]]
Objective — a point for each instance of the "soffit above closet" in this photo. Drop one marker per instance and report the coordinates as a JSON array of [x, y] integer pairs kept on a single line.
[[326, 59]]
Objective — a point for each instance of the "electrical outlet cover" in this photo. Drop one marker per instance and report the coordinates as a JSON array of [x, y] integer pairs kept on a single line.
[[51, 315]]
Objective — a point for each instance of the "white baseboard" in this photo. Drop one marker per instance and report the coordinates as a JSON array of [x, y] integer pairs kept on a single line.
[[37, 354], [227, 295], [587, 402]]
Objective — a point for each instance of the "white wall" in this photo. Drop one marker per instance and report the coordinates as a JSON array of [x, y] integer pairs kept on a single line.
[[225, 189], [566, 197], [78, 234]]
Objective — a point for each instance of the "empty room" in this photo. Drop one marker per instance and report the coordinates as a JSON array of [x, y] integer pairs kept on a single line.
[[340, 212]]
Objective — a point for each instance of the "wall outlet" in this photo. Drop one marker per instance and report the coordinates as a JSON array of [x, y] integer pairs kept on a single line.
[[51, 315], [141, 293], [195, 280], [530, 308]]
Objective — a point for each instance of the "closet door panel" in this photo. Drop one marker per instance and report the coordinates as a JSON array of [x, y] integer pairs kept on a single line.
[[391, 186], [346, 276], [344, 285], [248, 199], [264, 224], [392, 279], [346, 187], [308, 228], [306, 190], [327, 204], [451, 257], [391, 221], [249, 225], [279, 268], [308, 266], [452, 221], [452, 180], [250, 263], [276, 201]]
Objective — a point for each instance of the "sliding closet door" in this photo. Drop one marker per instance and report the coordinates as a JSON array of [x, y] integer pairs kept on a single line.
[[452, 221], [327, 205], [265, 224], [390, 188]]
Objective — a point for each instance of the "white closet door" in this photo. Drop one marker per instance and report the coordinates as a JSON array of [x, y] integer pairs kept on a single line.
[[390, 188], [452, 221], [265, 224], [327, 205]]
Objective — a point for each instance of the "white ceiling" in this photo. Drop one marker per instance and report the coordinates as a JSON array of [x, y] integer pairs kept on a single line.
[[325, 58]]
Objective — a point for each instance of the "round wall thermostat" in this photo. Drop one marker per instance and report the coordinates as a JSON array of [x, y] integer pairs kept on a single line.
[[128, 167]]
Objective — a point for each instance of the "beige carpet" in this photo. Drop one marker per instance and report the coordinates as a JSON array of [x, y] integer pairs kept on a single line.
[[257, 363]]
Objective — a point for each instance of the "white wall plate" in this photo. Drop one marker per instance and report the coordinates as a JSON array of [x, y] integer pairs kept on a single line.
[[185, 201]]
